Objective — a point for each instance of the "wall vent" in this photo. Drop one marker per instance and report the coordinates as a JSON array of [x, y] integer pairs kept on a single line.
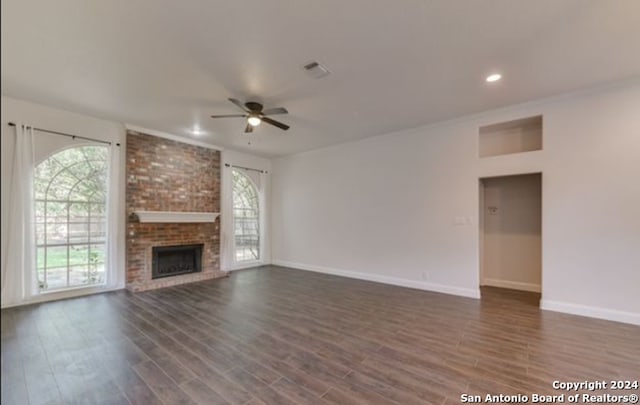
[[315, 69]]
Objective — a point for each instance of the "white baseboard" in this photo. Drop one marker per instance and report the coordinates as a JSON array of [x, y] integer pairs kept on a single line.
[[593, 312], [419, 285], [514, 285], [574, 309]]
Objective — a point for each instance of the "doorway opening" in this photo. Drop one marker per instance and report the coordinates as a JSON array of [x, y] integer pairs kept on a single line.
[[511, 237]]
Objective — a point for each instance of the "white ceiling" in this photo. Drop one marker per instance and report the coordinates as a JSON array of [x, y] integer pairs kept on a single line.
[[167, 65]]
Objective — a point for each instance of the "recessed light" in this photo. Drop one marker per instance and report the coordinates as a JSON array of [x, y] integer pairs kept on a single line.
[[493, 77]]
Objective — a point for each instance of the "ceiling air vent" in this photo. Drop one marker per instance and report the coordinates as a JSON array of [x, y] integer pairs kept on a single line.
[[316, 70]]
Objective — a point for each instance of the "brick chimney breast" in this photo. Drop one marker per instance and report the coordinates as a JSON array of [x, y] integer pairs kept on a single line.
[[167, 175]]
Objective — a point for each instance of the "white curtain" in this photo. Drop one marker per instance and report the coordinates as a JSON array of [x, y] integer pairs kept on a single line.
[[114, 265], [18, 265]]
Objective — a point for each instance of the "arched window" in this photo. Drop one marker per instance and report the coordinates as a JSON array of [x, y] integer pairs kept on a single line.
[[246, 218], [71, 217]]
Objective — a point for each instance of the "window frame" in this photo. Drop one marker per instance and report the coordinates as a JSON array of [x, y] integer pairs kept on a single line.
[[102, 220], [258, 218]]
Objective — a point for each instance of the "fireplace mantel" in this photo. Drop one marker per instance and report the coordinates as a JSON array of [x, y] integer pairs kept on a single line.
[[173, 217]]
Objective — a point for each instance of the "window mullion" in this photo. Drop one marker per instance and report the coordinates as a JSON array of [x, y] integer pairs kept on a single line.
[[68, 241], [88, 241], [44, 265]]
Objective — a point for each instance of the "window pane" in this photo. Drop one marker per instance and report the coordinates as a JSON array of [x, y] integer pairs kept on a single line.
[[55, 209], [56, 232], [40, 233], [78, 275], [78, 212], [97, 259], [78, 255], [39, 211], [98, 211], [56, 278], [40, 258], [78, 232], [56, 256]]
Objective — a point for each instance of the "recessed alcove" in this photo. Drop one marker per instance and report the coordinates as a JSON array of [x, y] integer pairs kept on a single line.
[[521, 135]]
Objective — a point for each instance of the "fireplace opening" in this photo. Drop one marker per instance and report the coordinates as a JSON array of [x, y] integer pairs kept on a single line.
[[175, 260]]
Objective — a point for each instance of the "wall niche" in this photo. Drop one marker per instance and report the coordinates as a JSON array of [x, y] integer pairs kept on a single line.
[[517, 136]]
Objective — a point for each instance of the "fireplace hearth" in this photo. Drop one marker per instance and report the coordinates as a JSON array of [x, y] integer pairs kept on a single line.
[[176, 260]]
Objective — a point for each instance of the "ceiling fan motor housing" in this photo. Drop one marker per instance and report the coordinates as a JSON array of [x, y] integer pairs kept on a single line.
[[253, 106]]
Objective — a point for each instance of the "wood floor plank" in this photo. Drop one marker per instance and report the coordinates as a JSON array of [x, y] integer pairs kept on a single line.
[[134, 388], [160, 383], [202, 394], [270, 396], [296, 392], [273, 335], [12, 373], [41, 384], [208, 374], [372, 384]]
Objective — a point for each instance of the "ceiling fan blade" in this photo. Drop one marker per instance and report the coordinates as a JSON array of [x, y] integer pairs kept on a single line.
[[239, 104], [229, 115], [275, 123], [248, 129], [274, 111]]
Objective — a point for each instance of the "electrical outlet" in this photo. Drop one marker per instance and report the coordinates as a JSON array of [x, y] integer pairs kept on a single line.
[[425, 275]]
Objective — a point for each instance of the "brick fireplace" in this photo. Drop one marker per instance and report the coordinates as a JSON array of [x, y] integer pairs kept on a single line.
[[174, 177]]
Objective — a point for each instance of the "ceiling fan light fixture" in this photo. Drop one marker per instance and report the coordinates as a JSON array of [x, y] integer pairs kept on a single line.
[[493, 77], [254, 120]]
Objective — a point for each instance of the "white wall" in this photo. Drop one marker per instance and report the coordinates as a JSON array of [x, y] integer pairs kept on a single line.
[[402, 208], [511, 232], [41, 116], [263, 182]]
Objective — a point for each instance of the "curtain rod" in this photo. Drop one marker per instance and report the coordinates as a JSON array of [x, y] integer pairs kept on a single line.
[[11, 124], [247, 168]]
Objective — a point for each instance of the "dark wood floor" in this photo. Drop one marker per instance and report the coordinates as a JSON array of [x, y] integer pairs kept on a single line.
[[278, 336]]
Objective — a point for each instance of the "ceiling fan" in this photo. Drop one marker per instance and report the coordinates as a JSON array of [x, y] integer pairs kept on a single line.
[[255, 114]]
